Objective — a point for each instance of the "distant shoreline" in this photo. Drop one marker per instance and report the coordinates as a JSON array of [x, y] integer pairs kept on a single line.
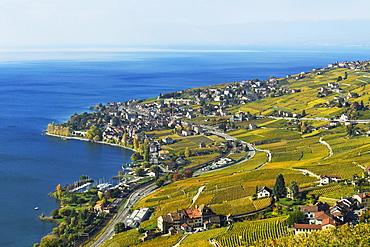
[[87, 140]]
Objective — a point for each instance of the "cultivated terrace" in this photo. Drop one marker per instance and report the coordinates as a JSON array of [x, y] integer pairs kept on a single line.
[[227, 146]]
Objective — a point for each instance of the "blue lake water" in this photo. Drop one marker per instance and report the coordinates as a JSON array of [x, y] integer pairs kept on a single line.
[[37, 88]]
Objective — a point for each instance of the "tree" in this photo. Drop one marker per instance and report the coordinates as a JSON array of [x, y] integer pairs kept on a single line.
[[49, 241], [135, 156], [176, 177], [115, 121], [145, 164], [93, 132], [97, 138], [55, 214], [119, 227], [187, 153], [124, 138], [140, 172], [156, 170], [279, 187], [188, 174], [59, 190], [84, 177], [303, 127], [294, 189], [136, 142], [146, 155], [159, 182], [295, 217]]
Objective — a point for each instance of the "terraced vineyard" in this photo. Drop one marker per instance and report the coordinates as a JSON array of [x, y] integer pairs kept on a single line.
[[126, 238], [201, 238], [240, 206], [325, 189], [343, 191], [247, 233], [228, 190]]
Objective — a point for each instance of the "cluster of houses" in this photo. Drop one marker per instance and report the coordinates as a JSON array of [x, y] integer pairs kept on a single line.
[[322, 216], [188, 220], [355, 65]]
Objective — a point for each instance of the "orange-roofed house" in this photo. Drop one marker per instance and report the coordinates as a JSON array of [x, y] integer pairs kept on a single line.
[[188, 219], [319, 217], [328, 223], [309, 211], [305, 228], [363, 199]]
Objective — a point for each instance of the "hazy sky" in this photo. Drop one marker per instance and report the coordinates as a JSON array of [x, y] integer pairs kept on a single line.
[[44, 23]]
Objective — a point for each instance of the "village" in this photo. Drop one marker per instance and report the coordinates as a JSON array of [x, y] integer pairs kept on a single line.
[[131, 124]]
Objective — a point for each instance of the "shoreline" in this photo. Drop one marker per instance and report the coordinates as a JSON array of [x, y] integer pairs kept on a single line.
[[48, 220], [88, 140]]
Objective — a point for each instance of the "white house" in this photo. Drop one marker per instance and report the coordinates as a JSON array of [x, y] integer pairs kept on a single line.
[[326, 179], [309, 211], [264, 192]]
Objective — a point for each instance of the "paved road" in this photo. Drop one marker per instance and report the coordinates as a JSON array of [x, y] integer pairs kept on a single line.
[[133, 198]]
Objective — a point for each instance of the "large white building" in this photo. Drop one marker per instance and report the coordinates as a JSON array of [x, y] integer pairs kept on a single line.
[[137, 217]]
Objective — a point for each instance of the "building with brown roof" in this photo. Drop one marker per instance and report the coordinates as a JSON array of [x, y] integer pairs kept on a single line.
[[363, 199], [309, 211], [319, 217], [188, 219]]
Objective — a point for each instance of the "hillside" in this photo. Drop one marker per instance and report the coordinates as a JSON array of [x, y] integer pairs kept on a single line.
[[312, 141], [220, 144]]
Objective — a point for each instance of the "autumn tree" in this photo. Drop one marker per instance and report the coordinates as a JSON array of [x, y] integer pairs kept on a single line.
[[93, 132], [124, 138], [49, 241], [188, 174], [176, 177], [136, 142], [187, 153], [58, 188]]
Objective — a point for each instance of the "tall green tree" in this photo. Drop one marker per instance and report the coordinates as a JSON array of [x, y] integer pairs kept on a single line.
[[295, 217], [294, 189], [279, 187], [140, 172]]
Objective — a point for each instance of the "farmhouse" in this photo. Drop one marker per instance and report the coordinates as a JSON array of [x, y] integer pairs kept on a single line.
[[307, 228], [363, 199], [326, 179], [264, 192], [309, 211], [187, 220]]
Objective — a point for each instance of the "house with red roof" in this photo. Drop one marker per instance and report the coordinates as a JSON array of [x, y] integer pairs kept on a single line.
[[363, 199], [309, 211], [186, 220]]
